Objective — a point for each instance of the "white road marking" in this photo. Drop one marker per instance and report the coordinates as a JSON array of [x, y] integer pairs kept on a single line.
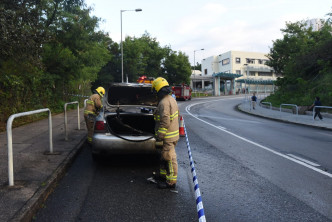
[[304, 160], [229, 119], [256, 144], [220, 127]]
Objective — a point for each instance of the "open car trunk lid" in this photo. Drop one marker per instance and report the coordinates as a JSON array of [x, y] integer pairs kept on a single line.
[[128, 94], [130, 107]]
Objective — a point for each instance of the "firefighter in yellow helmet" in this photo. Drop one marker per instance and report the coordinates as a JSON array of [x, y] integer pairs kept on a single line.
[[166, 132], [93, 106]]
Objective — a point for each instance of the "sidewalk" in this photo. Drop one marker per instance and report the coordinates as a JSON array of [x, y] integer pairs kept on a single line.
[[275, 114], [36, 173]]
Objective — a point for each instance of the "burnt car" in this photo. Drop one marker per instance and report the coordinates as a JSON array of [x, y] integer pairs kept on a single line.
[[126, 123]]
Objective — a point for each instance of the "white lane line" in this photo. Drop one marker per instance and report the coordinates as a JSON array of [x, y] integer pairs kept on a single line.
[[304, 160], [228, 119], [220, 127], [258, 145]]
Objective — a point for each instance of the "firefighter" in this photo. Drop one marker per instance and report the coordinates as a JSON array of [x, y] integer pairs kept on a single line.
[[93, 106], [166, 132]]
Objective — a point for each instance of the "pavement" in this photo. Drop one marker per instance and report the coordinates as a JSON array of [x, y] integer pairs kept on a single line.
[[37, 172], [286, 115]]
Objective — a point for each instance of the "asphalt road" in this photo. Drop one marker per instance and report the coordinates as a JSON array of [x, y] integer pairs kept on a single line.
[[245, 167]]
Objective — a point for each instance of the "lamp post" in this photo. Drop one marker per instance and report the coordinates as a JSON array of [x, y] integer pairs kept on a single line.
[[136, 10], [195, 68]]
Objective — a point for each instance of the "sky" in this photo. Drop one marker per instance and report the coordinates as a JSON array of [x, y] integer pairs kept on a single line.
[[217, 26]]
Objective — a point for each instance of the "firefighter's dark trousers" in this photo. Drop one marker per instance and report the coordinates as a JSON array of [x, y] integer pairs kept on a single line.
[[169, 164]]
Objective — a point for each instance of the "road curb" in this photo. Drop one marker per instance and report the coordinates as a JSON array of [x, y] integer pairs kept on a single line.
[[30, 208], [280, 120]]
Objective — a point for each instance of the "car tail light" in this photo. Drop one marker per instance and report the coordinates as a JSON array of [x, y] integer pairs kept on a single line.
[[100, 126]]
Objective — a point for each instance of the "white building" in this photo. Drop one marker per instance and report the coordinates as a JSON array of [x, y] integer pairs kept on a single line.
[[234, 71]]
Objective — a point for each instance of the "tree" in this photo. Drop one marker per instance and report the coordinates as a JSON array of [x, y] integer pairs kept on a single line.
[[145, 56], [304, 58], [198, 66], [48, 51], [177, 68]]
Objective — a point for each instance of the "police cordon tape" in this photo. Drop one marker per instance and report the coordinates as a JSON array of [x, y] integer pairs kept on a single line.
[[199, 202]]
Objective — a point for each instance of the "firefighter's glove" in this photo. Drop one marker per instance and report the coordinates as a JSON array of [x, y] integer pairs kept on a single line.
[[159, 143]]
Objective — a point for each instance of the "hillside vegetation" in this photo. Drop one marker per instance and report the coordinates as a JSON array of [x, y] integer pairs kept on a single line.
[[304, 58]]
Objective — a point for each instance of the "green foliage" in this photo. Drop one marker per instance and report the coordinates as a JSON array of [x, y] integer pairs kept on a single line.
[[177, 68], [144, 56], [304, 58], [50, 52]]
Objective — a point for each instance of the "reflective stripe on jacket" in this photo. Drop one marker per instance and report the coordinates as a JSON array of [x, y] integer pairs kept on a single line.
[[166, 117], [93, 105]]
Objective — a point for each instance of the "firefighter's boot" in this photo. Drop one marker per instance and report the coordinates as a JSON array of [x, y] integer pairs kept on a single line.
[[165, 185]]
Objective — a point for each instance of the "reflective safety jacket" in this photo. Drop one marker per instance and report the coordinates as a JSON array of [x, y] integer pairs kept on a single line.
[[166, 117], [93, 105]]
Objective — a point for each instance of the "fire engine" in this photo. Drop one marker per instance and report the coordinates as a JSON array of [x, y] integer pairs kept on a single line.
[[144, 79], [182, 92]]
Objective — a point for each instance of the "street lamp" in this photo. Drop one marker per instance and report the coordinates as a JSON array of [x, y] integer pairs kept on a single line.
[[195, 68], [136, 10]]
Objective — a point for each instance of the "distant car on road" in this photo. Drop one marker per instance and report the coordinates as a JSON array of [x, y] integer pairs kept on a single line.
[[126, 123]]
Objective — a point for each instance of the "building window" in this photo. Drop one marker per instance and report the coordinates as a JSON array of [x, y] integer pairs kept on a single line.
[[205, 71], [252, 73], [264, 73], [225, 61], [238, 60], [250, 61], [260, 61], [238, 72]]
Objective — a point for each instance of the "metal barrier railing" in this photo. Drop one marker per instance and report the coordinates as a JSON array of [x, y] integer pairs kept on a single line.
[[297, 109], [267, 103], [10, 139], [85, 102], [313, 111], [78, 117]]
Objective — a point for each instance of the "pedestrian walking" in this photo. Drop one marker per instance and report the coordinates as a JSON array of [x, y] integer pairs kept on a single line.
[[93, 106], [166, 133], [317, 102], [253, 100]]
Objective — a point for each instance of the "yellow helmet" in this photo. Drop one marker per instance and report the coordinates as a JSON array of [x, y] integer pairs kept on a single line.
[[101, 91], [159, 83]]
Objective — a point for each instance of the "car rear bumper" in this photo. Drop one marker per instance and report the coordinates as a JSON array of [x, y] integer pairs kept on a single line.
[[108, 143]]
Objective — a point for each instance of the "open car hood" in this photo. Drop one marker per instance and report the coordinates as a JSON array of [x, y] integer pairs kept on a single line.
[[123, 94]]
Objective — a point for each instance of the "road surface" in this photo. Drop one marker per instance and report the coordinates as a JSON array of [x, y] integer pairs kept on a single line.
[[248, 169]]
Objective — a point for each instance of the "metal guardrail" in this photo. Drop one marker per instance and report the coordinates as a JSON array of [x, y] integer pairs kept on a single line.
[[297, 109], [313, 111], [267, 103], [78, 117], [10, 139], [85, 102]]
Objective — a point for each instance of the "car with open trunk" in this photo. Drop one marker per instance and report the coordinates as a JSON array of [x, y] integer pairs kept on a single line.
[[126, 123]]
